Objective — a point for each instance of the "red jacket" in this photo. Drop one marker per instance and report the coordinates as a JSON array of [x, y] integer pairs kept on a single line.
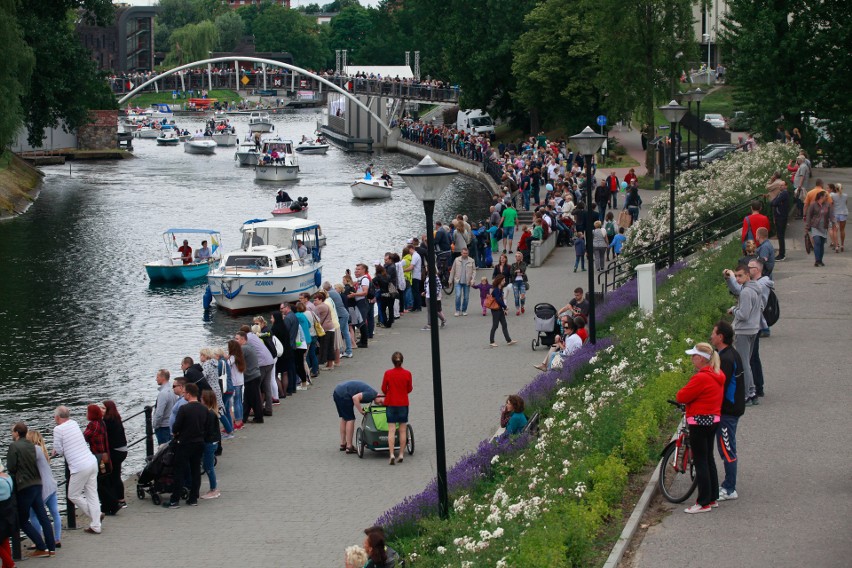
[[703, 393], [757, 220], [397, 384]]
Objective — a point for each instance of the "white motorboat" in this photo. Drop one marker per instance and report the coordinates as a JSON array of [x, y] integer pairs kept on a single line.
[[277, 162], [266, 270], [159, 111], [199, 146], [225, 138], [247, 153], [312, 146], [260, 122], [146, 132], [168, 137], [374, 188]]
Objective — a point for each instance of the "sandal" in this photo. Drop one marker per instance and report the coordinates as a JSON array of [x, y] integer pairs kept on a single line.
[[342, 447], [392, 460], [351, 450]]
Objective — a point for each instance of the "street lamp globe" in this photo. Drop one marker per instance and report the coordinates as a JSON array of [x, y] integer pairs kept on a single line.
[[698, 94], [673, 111], [587, 142], [427, 180]]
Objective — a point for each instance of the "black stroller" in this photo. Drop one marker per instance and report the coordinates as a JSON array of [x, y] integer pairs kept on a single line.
[[546, 325], [158, 476]]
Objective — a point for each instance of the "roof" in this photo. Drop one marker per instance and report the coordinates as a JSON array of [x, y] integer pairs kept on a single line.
[[276, 223], [192, 231], [404, 71]]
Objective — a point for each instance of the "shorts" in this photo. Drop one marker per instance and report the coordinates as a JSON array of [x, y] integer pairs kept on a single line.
[[509, 232], [396, 414], [841, 217], [345, 407]]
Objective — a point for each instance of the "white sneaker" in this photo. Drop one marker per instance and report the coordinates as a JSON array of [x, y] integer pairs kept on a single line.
[[725, 496], [457, 314], [301, 388], [464, 313], [698, 509]]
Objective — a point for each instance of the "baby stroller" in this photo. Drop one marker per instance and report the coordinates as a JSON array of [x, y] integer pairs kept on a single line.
[[546, 325], [373, 432], [158, 475]]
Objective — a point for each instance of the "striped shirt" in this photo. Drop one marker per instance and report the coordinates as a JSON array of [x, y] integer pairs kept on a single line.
[[69, 442]]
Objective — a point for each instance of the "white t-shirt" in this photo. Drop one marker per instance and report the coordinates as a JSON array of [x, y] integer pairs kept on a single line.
[[236, 376], [68, 441], [417, 266], [572, 343]]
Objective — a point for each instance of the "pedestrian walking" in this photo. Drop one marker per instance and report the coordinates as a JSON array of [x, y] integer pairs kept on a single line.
[[498, 310]]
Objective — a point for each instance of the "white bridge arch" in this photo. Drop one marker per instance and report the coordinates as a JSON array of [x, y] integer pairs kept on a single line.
[[272, 62]]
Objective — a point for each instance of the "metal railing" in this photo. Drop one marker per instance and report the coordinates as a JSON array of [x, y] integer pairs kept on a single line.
[[70, 509], [687, 241]]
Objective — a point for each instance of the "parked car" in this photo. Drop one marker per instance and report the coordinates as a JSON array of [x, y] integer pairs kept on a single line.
[[716, 120], [739, 121], [690, 157], [711, 154]]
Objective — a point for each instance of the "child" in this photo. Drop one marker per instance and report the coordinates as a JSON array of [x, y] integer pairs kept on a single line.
[[580, 251], [438, 290], [483, 288], [524, 244], [618, 242], [609, 225]]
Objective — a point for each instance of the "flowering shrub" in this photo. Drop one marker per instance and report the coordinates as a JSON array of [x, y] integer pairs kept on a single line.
[[543, 501], [702, 194]]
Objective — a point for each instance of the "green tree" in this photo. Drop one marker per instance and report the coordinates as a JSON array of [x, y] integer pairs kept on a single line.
[[177, 13], [15, 70], [339, 5], [640, 67], [231, 29], [350, 29], [68, 82], [192, 42], [555, 66], [279, 29], [310, 9]]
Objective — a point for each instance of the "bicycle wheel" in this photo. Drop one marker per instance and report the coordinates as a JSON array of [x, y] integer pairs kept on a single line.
[[676, 481]]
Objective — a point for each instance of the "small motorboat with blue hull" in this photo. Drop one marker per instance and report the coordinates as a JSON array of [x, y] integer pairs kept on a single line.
[[176, 266]]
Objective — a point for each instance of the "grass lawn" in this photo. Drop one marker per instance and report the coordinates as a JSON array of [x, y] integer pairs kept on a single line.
[[625, 161], [146, 99], [5, 160], [720, 101]]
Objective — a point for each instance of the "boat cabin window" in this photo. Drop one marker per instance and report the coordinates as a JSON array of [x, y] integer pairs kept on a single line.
[[282, 261], [280, 147], [277, 237], [249, 262]]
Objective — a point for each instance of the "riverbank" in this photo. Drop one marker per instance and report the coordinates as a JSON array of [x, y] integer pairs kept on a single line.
[[19, 185]]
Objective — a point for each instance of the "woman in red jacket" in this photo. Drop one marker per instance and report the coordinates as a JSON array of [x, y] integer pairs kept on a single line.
[[396, 385], [702, 396]]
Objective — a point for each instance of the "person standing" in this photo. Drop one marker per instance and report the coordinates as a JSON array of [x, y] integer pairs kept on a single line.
[[8, 523], [765, 251], [96, 435], [49, 486], [752, 222], [21, 460], [498, 310], [780, 204], [68, 441], [801, 180], [237, 365], [188, 432], [416, 269], [818, 216], [362, 288], [747, 317], [519, 283], [508, 220], [117, 441], [396, 385], [266, 367], [163, 407], [251, 376], [733, 406], [702, 396], [212, 441], [462, 276], [841, 213]]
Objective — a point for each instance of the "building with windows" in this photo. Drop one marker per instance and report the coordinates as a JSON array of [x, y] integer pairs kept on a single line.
[[126, 46]]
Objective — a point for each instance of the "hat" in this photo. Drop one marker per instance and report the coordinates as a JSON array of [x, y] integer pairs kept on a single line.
[[696, 351], [409, 242]]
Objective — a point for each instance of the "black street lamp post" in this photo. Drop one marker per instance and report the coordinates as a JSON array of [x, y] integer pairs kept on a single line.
[[587, 143], [673, 113], [427, 180]]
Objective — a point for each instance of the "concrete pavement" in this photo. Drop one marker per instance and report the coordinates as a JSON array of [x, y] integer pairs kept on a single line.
[[795, 491]]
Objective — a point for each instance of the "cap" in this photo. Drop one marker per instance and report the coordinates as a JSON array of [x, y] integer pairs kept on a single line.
[[696, 351]]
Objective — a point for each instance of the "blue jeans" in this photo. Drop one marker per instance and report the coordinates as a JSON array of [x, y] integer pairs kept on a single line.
[[409, 298], [163, 434], [726, 438], [580, 261], [313, 361], [30, 498], [225, 418], [615, 199], [462, 296], [53, 506], [526, 194], [819, 247], [344, 329], [208, 462], [520, 293], [238, 403]]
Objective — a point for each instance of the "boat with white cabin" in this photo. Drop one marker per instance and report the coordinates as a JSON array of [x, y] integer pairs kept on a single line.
[[260, 122], [267, 268], [247, 153], [173, 268], [277, 162]]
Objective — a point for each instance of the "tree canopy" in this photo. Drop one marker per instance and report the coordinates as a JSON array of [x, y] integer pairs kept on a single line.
[[231, 29], [279, 29]]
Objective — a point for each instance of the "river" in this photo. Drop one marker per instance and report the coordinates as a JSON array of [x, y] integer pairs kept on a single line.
[[80, 322]]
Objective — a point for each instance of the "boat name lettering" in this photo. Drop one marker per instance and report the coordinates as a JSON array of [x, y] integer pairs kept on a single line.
[[263, 282]]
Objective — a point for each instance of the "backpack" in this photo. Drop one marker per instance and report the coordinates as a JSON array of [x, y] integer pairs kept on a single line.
[[772, 311], [269, 342], [371, 288], [610, 230]]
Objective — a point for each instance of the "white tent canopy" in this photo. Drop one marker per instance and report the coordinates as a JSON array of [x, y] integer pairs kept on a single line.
[[392, 71]]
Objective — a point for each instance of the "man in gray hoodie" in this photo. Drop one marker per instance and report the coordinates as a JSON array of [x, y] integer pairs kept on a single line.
[[752, 290]]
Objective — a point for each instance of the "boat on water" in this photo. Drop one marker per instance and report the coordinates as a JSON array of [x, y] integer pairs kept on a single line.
[[222, 132], [312, 145], [260, 122], [286, 207], [168, 137], [267, 268], [371, 188], [199, 146], [247, 153], [276, 162], [148, 132], [173, 268]]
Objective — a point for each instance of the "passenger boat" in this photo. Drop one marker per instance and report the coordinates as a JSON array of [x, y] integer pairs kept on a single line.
[[374, 188], [168, 137], [247, 153], [277, 162], [171, 269], [224, 134], [266, 270], [199, 146], [312, 146], [260, 122]]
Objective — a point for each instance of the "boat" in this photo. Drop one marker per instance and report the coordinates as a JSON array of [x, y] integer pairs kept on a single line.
[[199, 146], [247, 153], [312, 146], [168, 137], [277, 162], [223, 133], [266, 270], [374, 188], [146, 132], [159, 111], [260, 122], [171, 269], [297, 209]]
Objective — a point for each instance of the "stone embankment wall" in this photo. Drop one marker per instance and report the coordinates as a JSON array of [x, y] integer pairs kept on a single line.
[[100, 133], [465, 167], [19, 185]]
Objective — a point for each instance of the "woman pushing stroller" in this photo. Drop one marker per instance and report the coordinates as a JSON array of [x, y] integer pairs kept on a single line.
[[396, 385]]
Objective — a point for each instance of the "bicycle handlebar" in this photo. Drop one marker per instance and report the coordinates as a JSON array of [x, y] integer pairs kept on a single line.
[[678, 404]]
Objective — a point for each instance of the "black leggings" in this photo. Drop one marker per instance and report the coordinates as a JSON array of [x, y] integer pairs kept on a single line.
[[701, 439], [251, 399], [498, 317]]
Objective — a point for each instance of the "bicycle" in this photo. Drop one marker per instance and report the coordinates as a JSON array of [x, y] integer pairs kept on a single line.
[[677, 471]]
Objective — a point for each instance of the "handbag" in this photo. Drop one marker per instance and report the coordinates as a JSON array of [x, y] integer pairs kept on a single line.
[[556, 363], [491, 303], [319, 329], [809, 243], [704, 419]]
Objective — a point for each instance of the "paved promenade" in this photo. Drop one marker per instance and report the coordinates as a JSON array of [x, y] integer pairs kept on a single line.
[[795, 497], [289, 497]]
